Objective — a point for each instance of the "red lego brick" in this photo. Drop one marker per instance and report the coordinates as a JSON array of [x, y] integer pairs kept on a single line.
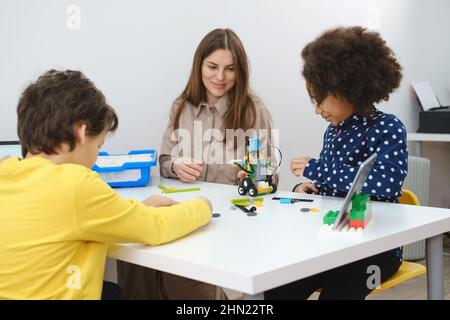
[[357, 224]]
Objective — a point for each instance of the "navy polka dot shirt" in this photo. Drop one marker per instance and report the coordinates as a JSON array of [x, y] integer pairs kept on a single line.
[[348, 144]]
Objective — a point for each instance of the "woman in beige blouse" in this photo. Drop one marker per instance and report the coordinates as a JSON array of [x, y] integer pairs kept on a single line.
[[198, 144]]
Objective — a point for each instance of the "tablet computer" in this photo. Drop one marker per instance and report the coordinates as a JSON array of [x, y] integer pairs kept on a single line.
[[358, 182]]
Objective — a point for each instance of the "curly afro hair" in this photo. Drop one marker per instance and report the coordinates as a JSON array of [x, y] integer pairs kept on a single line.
[[353, 64]]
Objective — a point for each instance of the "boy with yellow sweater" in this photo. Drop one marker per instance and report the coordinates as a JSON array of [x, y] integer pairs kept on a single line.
[[57, 215]]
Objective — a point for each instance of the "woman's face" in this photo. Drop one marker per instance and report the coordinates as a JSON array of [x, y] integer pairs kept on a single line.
[[333, 109], [218, 74]]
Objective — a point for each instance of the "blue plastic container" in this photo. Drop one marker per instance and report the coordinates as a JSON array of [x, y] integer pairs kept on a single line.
[[122, 174]]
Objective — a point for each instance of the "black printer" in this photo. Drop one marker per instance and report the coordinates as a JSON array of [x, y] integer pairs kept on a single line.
[[435, 120]]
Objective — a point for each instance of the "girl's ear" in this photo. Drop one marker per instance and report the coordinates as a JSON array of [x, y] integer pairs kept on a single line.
[[80, 131]]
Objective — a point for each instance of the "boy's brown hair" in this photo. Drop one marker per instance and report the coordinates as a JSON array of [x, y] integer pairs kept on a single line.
[[50, 107], [351, 63]]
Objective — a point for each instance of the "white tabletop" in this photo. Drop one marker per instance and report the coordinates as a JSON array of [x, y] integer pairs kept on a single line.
[[279, 245], [436, 137]]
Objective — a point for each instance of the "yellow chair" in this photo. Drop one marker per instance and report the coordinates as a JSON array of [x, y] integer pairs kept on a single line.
[[408, 270], [408, 197]]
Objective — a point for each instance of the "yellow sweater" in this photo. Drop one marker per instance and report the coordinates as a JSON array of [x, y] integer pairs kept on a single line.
[[56, 221]]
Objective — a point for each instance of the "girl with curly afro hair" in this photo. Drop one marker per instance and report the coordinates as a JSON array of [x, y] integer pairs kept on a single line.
[[347, 72]]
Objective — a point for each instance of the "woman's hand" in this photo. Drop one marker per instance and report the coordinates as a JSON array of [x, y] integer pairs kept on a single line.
[[159, 201], [307, 187], [187, 169], [298, 165]]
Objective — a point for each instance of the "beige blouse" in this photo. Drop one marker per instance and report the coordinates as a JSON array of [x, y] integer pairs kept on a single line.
[[200, 136]]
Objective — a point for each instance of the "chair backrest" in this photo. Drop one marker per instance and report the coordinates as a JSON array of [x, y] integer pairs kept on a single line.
[[418, 179], [417, 183], [408, 197]]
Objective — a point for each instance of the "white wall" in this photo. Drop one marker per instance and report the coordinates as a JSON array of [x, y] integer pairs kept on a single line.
[[432, 62], [140, 54]]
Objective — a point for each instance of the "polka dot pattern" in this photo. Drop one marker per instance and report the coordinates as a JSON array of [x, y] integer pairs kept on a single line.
[[358, 138]]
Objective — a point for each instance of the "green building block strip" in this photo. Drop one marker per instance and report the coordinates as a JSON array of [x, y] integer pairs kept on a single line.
[[163, 188], [330, 217], [246, 201], [182, 190]]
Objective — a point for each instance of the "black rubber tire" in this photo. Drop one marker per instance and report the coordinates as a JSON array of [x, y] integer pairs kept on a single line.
[[242, 191], [274, 188], [247, 183]]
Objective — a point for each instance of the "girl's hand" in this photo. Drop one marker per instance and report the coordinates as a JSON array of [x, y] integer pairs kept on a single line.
[[307, 187], [187, 169], [298, 165]]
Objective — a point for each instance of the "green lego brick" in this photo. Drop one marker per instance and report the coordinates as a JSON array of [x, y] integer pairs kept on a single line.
[[359, 201], [330, 217], [358, 214]]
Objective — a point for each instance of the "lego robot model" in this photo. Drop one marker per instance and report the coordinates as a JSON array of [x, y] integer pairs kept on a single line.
[[258, 181]]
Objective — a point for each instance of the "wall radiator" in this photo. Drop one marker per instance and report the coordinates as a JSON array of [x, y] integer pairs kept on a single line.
[[418, 181]]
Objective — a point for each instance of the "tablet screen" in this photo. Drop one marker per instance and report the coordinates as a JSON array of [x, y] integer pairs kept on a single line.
[[358, 182]]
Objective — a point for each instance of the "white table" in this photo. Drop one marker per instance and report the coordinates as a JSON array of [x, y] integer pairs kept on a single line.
[[419, 138], [281, 244]]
